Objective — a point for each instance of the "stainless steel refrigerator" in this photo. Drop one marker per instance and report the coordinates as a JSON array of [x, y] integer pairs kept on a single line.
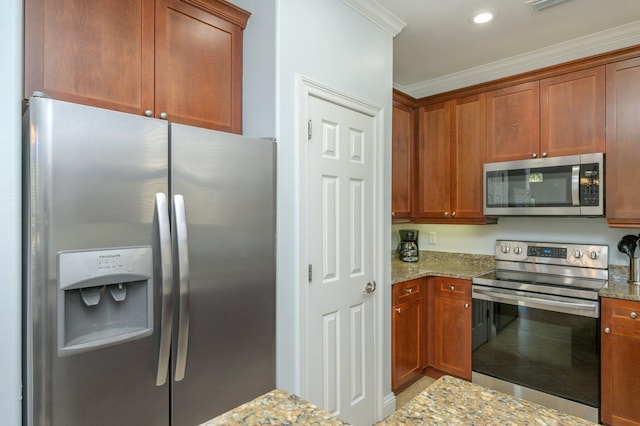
[[149, 268]]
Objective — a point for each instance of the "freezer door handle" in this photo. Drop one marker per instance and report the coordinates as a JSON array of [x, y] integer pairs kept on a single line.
[[166, 267], [180, 240]]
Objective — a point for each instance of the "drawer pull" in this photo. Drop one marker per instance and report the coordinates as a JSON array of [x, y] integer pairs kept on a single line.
[[398, 310], [466, 306], [633, 315], [607, 330], [453, 288], [409, 290]]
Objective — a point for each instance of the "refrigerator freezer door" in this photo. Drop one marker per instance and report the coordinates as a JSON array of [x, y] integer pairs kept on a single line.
[[228, 186], [91, 176]]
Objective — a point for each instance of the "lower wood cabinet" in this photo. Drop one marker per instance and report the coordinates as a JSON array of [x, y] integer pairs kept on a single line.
[[620, 362], [450, 330], [408, 334]]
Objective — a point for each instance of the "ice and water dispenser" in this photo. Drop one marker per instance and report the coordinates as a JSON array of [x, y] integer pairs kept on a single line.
[[105, 297]]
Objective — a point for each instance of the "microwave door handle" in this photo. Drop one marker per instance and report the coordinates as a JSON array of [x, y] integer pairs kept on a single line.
[[575, 185]]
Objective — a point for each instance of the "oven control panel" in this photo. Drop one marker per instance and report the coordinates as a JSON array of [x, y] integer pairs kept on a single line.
[[583, 255]]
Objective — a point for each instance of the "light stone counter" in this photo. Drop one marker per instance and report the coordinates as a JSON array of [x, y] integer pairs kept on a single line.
[[451, 401], [619, 286], [277, 407], [444, 264]]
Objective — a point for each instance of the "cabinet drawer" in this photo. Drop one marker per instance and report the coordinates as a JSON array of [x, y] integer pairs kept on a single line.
[[621, 313], [407, 291], [453, 288]]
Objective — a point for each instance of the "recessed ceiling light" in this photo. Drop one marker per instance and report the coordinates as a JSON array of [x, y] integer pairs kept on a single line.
[[483, 17]]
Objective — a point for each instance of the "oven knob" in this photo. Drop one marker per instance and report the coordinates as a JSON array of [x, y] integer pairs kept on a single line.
[[505, 249], [517, 250], [594, 255], [577, 254]]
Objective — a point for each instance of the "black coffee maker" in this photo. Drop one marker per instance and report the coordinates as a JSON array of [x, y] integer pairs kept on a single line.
[[408, 246]]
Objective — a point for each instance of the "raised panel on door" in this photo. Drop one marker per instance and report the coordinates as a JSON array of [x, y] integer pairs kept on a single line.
[[452, 343], [572, 113], [623, 143], [513, 131], [468, 154], [434, 159], [620, 369], [97, 53], [340, 340], [402, 159], [198, 65], [406, 341]]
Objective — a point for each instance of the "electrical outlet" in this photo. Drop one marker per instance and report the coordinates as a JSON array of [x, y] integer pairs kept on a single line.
[[433, 238]]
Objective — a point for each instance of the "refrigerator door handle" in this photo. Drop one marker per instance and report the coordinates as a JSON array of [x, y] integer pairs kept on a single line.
[[166, 311], [180, 236]]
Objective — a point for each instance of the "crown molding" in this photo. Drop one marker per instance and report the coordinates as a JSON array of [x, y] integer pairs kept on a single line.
[[377, 14], [582, 47]]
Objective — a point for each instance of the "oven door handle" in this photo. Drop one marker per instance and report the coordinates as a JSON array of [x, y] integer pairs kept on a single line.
[[590, 309]]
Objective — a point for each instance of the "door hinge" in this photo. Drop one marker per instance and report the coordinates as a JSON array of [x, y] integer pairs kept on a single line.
[[309, 130], [310, 273]]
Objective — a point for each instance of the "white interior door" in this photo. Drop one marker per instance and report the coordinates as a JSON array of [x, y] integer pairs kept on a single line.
[[341, 296]]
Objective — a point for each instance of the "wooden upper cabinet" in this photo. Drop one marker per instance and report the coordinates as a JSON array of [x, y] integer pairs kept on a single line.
[[180, 58], [96, 53], [451, 153], [434, 161], [572, 113], [199, 63], [622, 167], [467, 157], [513, 129], [402, 160]]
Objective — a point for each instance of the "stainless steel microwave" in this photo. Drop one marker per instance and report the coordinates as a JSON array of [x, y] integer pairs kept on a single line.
[[557, 186]]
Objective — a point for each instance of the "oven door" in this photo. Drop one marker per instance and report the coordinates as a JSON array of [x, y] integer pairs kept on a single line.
[[536, 342]]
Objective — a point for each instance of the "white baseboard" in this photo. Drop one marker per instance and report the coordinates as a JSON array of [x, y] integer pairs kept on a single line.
[[389, 405]]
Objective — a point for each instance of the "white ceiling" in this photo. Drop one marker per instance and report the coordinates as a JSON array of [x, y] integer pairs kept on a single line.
[[440, 49]]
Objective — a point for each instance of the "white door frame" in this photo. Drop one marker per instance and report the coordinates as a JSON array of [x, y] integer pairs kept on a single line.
[[306, 88]]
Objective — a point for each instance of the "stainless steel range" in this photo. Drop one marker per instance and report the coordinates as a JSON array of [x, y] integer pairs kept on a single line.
[[536, 324]]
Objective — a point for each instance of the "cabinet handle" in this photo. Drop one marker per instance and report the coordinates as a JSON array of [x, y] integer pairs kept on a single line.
[[534, 155], [446, 214], [408, 290], [163, 115], [452, 288], [633, 315], [148, 113], [393, 214], [453, 214], [466, 306], [544, 155], [607, 330], [398, 310]]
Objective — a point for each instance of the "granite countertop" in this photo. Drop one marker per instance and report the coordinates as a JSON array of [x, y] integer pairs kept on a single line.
[[466, 266], [451, 401], [437, 263], [277, 407], [619, 286]]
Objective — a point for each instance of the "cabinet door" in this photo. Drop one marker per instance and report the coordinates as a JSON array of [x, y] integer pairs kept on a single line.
[[407, 324], [199, 64], [623, 143], [97, 53], [620, 367], [513, 115], [434, 161], [572, 113], [452, 328], [402, 159], [467, 157]]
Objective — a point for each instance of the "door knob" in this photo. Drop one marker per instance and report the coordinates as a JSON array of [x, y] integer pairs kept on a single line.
[[370, 287]]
